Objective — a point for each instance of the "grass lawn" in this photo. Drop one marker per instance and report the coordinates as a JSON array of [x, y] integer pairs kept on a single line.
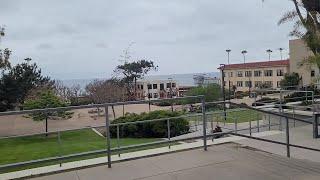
[[38, 147], [242, 115]]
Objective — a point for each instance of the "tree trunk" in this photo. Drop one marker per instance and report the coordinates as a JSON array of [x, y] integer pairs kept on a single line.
[[113, 111]]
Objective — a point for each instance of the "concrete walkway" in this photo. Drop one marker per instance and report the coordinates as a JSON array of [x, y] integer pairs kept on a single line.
[[299, 135], [219, 162]]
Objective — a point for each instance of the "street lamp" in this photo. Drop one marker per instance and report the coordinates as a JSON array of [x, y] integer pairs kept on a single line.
[[281, 49], [244, 52], [228, 51], [1, 32], [269, 51], [222, 66]]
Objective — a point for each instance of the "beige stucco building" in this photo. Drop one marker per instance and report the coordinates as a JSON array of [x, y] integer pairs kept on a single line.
[[299, 52], [250, 76]]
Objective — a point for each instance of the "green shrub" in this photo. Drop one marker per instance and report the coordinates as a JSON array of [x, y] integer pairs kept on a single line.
[[156, 129]]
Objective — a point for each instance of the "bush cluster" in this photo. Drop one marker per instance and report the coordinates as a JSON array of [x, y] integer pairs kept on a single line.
[[156, 129]]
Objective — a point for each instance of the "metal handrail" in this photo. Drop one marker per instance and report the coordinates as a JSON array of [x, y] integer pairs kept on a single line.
[[204, 136], [68, 108]]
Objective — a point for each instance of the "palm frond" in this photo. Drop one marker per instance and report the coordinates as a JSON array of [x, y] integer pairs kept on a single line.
[[288, 16]]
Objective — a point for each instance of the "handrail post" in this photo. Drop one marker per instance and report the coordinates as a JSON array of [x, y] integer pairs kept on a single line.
[[250, 127], [108, 136], [269, 122], [293, 115], [46, 114], [123, 110], [315, 125], [60, 147], [255, 105], [236, 124], [118, 139], [204, 122], [169, 134], [280, 111], [287, 137]]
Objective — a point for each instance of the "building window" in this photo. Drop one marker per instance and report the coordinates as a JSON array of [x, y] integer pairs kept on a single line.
[[161, 86], [149, 95], [239, 84], [278, 84], [141, 86], [269, 83], [230, 74], [257, 84], [173, 85], [280, 72], [155, 95], [248, 73], [149, 86], [239, 74], [268, 73], [224, 83], [224, 74], [155, 86], [257, 73], [312, 73], [248, 84], [168, 85]]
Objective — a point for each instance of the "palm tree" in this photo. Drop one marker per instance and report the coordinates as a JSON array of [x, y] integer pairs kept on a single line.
[[306, 25]]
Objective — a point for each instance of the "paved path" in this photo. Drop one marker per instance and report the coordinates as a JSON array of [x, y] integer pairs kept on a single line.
[[300, 136], [219, 162]]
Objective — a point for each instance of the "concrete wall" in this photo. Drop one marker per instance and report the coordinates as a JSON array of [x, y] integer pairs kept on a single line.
[[298, 53]]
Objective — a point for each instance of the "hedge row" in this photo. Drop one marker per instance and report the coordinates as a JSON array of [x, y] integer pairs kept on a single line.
[[156, 129]]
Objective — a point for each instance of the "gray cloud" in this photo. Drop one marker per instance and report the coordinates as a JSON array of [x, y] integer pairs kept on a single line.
[[84, 39]]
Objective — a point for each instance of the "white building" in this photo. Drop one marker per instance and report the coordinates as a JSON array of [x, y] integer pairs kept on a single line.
[[157, 89]]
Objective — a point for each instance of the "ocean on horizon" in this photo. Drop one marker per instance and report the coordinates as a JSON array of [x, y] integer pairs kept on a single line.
[[182, 79]]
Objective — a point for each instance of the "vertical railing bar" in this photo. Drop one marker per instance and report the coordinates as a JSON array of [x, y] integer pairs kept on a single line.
[[46, 121], [118, 139], [269, 122], [123, 110], [204, 124], [280, 111], [108, 136], [287, 137], [250, 127], [169, 133], [236, 124], [293, 115], [255, 105], [60, 147]]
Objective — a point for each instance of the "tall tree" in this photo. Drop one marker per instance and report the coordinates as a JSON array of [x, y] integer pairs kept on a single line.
[[132, 71], [18, 81], [106, 91], [4, 54]]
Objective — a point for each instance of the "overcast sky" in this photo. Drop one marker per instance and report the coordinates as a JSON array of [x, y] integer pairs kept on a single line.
[[75, 39]]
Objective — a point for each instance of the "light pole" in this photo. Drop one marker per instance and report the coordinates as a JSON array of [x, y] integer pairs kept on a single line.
[[1, 32], [228, 51], [281, 49], [222, 66], [269, 51], [244, 52]]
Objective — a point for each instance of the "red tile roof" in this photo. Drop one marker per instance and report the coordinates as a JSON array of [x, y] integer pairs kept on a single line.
[[250, 65]]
